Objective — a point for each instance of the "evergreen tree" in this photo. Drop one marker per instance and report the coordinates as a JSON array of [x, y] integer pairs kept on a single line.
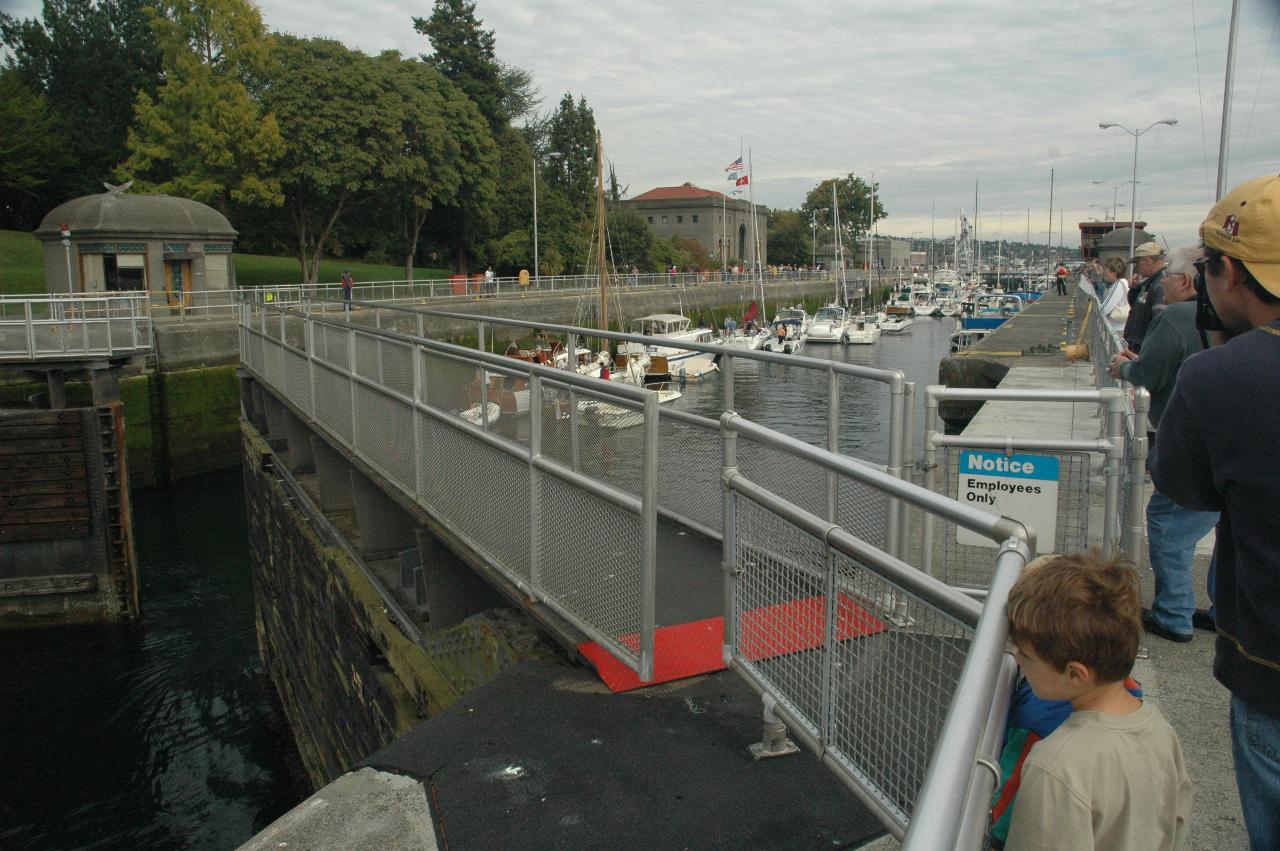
[[571, 131], [33, 153], [88, 60], [464, 53]]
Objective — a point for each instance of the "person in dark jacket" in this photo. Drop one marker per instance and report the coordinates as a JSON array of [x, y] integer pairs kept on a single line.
[[1145, 292], [1218, 443], [1172, 530]]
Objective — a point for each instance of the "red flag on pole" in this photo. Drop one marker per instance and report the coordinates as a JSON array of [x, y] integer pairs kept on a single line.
[[742, 181]]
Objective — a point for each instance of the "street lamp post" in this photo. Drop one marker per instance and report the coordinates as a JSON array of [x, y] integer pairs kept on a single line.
[[553, 155], [1133, 200], [1115, 188]]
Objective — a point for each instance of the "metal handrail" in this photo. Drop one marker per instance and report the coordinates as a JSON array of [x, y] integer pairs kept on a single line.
[[956, 790]]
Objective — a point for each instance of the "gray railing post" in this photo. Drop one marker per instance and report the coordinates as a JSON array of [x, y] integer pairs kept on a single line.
[[1114, 473], [726, 378], [535, 501], [943, 794], [309, 337], [31, 329], [649, 539], [908, 461], [480, 336], [930, 474], [1136, 474], [833, 441], [574, 448], [571, 352], [728, 541], [897, 393], [484, 399]]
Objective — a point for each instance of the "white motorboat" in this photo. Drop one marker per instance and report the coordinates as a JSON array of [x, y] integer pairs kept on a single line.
[[948, 307], [667, 358], [794, 314], [829, 325], [896, 322], [786, 336], [862, 330]]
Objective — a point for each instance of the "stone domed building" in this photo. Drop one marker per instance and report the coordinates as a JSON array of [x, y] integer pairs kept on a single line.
[[116, 241]]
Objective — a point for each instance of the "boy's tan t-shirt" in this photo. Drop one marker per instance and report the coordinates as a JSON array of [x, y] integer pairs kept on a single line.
[[1104, 781]]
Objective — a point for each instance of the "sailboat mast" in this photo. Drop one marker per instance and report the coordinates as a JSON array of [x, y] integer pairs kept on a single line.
[[977, 238], [755, 229], [1049, 241], [600, 226], [1224, 140]]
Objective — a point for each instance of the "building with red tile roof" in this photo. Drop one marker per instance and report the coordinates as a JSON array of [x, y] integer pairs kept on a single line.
[[717, 221]]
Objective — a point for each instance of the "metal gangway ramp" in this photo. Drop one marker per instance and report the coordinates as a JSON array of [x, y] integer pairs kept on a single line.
[[897, 681]]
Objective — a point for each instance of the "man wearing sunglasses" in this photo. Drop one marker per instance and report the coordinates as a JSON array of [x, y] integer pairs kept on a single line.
[[1218, 450]]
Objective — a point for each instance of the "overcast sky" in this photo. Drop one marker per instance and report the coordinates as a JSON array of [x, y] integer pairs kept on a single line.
[[927, 95]]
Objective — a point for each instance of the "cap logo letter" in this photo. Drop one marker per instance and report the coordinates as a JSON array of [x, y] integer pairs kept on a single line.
[[1231, 227]]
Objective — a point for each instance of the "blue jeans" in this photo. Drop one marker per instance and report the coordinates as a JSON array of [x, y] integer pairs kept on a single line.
[[1172, 533], [1255, 744]]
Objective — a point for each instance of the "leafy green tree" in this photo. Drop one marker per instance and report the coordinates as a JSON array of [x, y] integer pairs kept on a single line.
[[571, 131], [87, 59], [203, 136], [445, 152], [630, 240], [464, 53], [338, 138], [790, 237], [33, 152], [854, 196]]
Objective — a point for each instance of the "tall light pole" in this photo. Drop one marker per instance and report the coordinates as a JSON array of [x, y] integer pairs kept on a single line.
[[553, 155], [1133, 199], [1115, 188]]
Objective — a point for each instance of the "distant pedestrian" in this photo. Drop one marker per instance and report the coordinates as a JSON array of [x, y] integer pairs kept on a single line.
[[488, 280], [347, 283], [1060, 278]]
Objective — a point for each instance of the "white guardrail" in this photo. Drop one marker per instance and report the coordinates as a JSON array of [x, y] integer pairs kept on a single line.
[[50, 327]]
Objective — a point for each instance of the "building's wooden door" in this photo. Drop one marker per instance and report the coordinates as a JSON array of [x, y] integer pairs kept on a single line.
[[177, 282]]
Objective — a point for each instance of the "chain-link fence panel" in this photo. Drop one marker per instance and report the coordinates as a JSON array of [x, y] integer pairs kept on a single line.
[[297, 380], [891, 685], [689, 469], [481, 491], [333, 401], [366, 350], [862, 510], [454, 386], [589, 560], [384, 435], [780, 608], [800, 482], [395, 367], [970, 565]]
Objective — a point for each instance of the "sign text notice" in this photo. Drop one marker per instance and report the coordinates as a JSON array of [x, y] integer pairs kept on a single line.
[[1023, 487]]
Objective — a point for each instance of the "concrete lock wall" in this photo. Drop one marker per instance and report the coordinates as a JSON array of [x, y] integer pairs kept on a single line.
[[329, 585]]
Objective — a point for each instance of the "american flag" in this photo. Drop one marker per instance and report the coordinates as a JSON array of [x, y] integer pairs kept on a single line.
[[736, 165]]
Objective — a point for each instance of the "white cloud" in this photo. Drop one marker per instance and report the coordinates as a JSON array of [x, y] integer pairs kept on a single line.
[[928, 95]]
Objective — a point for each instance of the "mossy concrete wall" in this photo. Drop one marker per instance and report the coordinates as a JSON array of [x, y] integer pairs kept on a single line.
[[349, 679], [176, 423]]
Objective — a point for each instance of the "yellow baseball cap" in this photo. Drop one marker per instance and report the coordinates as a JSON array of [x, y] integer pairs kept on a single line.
[[1245, 225]]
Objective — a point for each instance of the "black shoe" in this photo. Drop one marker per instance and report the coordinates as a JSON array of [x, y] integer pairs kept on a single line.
[[1149, 624], [1203, 620]]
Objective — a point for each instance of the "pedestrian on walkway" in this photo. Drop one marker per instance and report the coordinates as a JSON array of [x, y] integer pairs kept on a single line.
[[1060, 278], [347, 283], [1217, 450], [1145, 292], [1172, 530]]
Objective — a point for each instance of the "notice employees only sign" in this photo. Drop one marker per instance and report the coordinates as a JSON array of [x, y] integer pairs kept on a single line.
[[1022, 487]]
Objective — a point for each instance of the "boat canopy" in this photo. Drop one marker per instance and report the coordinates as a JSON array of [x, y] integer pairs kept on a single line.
[[830, 313], [660, 323]]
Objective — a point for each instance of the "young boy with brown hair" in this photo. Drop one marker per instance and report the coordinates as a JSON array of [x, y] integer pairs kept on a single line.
[[1111, 776]]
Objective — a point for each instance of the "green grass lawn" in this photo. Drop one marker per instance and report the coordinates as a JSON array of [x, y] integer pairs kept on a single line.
[[22, 268], [21, 263]]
